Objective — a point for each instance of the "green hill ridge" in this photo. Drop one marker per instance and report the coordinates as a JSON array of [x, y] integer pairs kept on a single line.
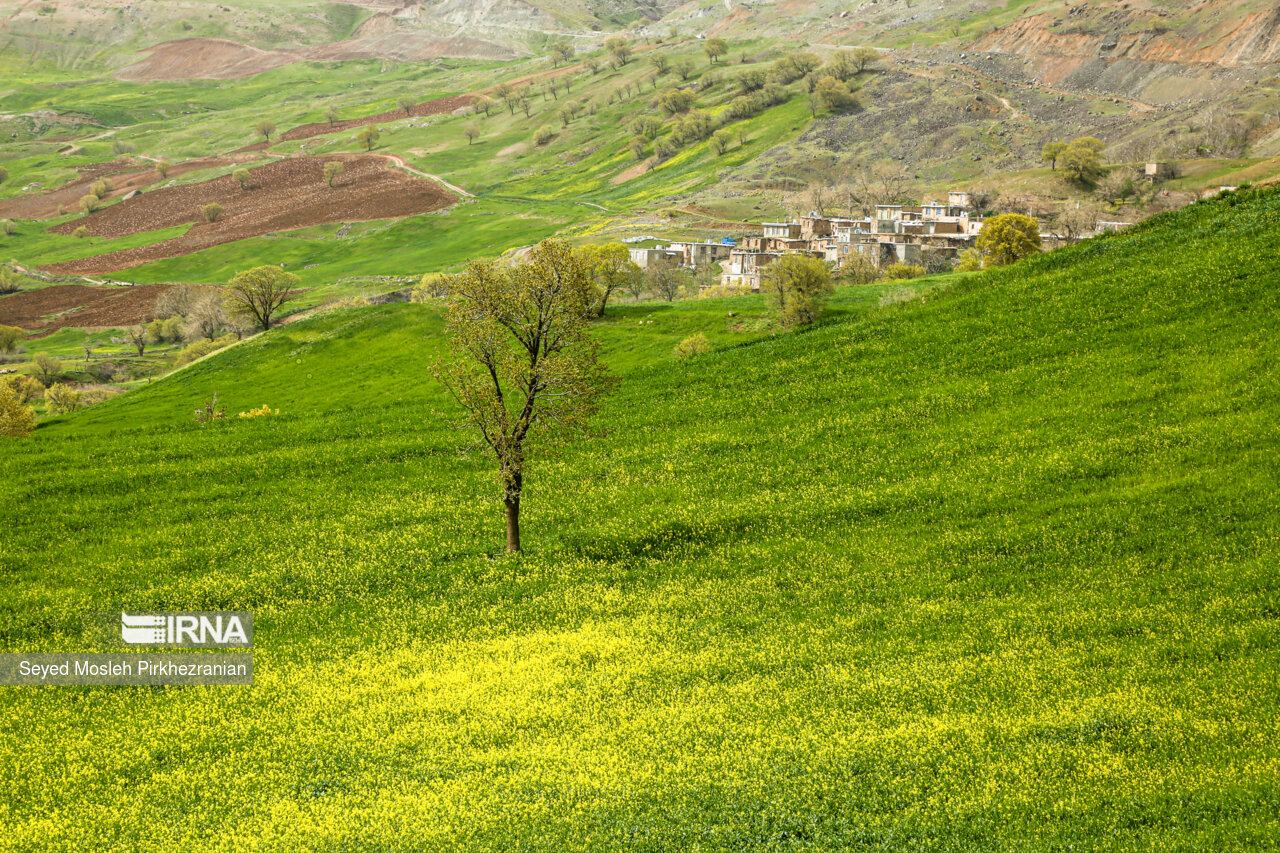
[[990, 568]]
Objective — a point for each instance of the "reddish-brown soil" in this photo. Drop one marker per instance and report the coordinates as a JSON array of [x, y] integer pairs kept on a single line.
[[286, 194], [186, 59], [51, 308], [429, 108], [66, 198]]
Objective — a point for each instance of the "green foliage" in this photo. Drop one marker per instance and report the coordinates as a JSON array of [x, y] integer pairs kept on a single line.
[[693, 345], [673, 101], [797, 286], [368, 138], [47, 368], [211, 212], [1051, 152], [10, 337], [4, 174], [715, 48], [721, 140], [258, 294], [265, 128], [1007, 238], [522, 364], [162, 169], [242, 177], [1082, 160], [543, 135], [832, 95], [900, 271], [333, 170], [17, 420], [199, 349], [62, 399], [25, 388]]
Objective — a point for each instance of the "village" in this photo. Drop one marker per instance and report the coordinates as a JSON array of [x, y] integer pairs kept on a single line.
[[930, 235]]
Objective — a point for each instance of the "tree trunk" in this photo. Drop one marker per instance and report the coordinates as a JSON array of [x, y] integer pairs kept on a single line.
[[513, 522]]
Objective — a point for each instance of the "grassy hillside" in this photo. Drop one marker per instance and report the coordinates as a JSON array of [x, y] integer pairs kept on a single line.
[[991, 569]]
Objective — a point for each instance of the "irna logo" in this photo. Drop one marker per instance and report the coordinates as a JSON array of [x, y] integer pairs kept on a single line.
[[187, 629]]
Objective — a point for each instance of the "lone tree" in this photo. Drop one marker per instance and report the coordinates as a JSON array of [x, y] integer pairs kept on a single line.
[[865, 57], [720, 141], [331, 114], [332, 171], [715, 48], [162, 169], [471, 132], [521, 362], [1007, 238], [1082, 160], [406, 104], [1051, 152], [138, 338], [265, 128], [797, 286], [257, 294], [211, 212], [242, 177], [368, 138], [661, 62], [47, 368]]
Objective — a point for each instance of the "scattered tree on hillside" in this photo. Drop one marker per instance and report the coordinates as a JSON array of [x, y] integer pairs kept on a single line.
[[620, 47], [9, 338], [561, 51], [482, 104], [47, 368], [661, 62], [259, 293], [831, 95], [471, 132], [720, 141], [331, 114], [1082, 160], [1076, 222], [8, 227], [639, 147], [100, 188], [715, 48], [611, 268], [797, 286], [162, 169], [89, 203], [646, 126], [750, 80], [211, 212], [673, 101], [206, 319], [865, 57], [406, 103], [506, 93], [543, 135], [265, 128], [525, 106], [80, 233], [1051, 152], [872, 184], [333, 170], [521, 361], [138, 338], [684, 68], [17, 419], [242, 177], [368, 138], [1007, 238]]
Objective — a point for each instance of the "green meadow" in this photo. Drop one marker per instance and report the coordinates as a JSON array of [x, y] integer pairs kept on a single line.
[[989, 565]]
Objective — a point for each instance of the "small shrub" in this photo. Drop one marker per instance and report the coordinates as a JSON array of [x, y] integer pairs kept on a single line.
[[693, 345], [80, 233], [89, 203], [211, 212], [543, 135], [258, 413], [200, 349], [211, 411], [899, 271], [8, 227], [10, 337], [242, 177], [61, 399], [17, 419]]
